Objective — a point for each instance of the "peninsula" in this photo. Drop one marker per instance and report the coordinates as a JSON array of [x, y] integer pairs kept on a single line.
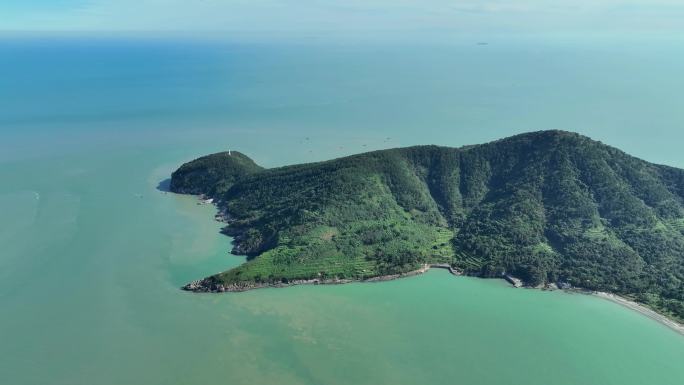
[[548, 208]]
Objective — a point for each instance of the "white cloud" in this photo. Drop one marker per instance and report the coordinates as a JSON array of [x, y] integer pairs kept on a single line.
[[348, 16]]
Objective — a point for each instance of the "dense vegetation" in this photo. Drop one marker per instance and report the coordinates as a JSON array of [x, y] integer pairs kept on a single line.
[[212, 174], [546, 207]]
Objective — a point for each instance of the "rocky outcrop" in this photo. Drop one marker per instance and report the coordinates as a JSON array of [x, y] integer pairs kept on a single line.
[[516, 282], [207, 285]]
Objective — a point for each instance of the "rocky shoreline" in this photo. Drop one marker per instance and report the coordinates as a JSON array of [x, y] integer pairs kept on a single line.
[[207, 286]]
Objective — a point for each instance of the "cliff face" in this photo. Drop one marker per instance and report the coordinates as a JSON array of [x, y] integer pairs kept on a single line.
[[546, 207]]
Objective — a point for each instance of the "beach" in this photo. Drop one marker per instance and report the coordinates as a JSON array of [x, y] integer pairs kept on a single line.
[[679, 328]]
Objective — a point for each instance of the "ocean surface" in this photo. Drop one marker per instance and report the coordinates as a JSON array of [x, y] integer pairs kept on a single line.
[[92, 252]]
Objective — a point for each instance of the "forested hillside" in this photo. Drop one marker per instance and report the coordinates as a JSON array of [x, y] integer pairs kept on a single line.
[[548, 206]]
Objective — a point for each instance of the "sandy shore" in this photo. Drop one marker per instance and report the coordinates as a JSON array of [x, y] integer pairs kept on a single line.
[[679, 328]]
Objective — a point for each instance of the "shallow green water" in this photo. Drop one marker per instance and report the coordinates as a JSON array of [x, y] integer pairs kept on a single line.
[[92, 254]]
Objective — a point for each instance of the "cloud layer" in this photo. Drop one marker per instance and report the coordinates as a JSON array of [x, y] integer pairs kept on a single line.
[[349, 16]]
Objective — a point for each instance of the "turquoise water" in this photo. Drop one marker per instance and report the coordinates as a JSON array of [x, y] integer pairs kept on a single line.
[[92, 253]]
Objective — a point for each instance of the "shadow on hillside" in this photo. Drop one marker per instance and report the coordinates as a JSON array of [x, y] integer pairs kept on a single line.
[[165, 185]]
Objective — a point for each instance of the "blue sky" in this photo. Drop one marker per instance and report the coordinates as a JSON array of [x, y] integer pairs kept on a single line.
[[350, 16]]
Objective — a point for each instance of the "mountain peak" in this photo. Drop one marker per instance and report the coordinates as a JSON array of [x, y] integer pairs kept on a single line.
[[547, 206], [212, 174]]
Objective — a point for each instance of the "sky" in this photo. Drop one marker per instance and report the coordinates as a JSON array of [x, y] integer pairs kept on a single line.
[[344, 17]]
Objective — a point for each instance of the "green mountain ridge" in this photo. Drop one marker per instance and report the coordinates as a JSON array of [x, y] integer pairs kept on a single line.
[[549, 206]]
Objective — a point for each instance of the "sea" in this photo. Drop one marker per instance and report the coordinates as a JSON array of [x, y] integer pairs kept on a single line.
[[93, 250]]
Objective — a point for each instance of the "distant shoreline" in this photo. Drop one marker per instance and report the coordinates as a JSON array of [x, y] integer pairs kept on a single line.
[[643, 310]]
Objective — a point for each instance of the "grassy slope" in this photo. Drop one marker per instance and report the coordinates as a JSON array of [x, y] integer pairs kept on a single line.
[[547, 206]]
